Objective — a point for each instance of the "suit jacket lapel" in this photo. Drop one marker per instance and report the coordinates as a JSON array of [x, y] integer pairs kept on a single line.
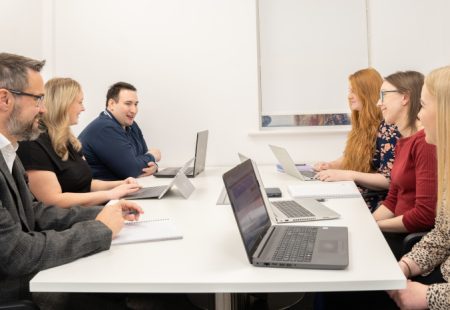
[[14, 187], [25, 197], [9, 178]]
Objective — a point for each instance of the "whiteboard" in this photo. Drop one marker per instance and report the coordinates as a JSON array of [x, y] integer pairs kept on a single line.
[[307, 50]]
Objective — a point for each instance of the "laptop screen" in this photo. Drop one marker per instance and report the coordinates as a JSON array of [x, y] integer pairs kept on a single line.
[[248, 205]]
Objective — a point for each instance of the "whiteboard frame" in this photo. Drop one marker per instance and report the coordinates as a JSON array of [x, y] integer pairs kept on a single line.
[[261, 115]]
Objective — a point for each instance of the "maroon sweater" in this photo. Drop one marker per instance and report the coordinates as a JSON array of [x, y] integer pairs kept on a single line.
[[413, 189]]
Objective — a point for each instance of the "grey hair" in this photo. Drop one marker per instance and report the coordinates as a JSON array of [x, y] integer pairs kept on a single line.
[[14, 70]]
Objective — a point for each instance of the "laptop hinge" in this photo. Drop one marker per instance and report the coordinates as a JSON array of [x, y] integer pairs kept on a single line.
[[263, 242]]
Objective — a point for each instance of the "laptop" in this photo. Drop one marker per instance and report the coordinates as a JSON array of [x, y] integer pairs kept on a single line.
[[298, 210], [288, 164], [199, 162], [288, 246], [223, 197], [184, 186]]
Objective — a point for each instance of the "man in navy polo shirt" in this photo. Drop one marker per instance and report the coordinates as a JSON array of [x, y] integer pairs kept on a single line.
[[113, 144]]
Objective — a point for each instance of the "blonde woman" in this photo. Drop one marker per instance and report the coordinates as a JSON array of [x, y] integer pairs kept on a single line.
[[369, 153], [57, 172], [432, 253]]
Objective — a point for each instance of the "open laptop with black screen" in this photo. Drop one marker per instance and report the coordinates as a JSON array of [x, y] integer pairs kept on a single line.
[[199, 161], [267, 245]]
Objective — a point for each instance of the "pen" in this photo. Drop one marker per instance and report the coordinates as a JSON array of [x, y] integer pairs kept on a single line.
[[128, 212]]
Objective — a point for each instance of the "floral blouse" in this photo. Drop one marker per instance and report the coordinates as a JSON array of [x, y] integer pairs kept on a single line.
[[382, 162]]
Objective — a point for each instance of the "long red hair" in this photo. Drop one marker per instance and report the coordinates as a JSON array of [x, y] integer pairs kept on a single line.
[[360, 148]]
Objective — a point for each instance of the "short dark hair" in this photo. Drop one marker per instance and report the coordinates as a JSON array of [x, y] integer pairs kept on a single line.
[[114, 90], [14, 70]]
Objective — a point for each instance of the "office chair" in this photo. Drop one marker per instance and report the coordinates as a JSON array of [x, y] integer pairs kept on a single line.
[[273, 301], [402, 243], [411, 239], [374, 198], [19, 305]]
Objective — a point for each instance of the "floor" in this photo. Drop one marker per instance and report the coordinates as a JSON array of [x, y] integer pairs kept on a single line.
[[271, 301], [291, 301]]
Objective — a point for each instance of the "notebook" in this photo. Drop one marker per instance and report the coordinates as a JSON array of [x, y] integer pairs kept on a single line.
[[199, 162], [340, 189], [267, 245], [156, 229], [289, 166], [183, 184]]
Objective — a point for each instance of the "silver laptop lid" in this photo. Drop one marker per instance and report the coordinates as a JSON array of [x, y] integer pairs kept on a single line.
[[200, 151], [248, 205], [242, 157], [184, 185], [286, 161]]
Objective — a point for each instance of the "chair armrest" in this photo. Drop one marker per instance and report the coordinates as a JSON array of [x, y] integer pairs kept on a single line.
[[411, 239], [19, 305]]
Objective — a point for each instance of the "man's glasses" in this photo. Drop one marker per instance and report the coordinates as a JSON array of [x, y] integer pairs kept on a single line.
[[38, 98], [384, 92]]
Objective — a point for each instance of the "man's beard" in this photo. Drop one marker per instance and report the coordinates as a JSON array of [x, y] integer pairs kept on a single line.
[[24, 131]]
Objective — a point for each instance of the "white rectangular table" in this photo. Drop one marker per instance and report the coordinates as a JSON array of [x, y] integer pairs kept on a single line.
[[211, 257]]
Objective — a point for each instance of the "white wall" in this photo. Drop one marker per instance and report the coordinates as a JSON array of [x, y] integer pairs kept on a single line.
[[26, 29], [194, 63], [409, 34], [21, 27]]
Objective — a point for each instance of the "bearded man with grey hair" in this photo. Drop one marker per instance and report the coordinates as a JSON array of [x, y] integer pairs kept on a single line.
[[33, 236]]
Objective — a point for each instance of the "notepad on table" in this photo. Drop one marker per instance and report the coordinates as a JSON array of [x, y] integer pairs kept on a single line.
[[156, 229], [300, 167], [313, 189]]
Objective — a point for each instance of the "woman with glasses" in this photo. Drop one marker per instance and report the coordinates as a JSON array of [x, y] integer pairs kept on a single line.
[[57, 172], [369, 153], [427, 266], [411, 202], [431, 256]]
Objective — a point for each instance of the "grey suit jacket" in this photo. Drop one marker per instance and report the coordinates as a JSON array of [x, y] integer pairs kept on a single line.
[[34, 237]]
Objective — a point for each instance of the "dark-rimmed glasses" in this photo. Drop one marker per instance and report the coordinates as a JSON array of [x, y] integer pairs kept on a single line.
[[384, 92], [38, 98]]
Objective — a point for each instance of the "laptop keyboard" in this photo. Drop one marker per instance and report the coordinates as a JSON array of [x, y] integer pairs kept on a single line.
[[174, 171], [297, 244], [292, 209], [189, 171], [308, 174], [153, 191]]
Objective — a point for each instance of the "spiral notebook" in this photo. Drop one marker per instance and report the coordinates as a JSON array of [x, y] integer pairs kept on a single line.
[[153, 229], [316, 189]]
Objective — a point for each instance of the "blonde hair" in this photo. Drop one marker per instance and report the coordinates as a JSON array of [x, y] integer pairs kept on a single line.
[[438, 85], [60, 94], [360, 147]]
